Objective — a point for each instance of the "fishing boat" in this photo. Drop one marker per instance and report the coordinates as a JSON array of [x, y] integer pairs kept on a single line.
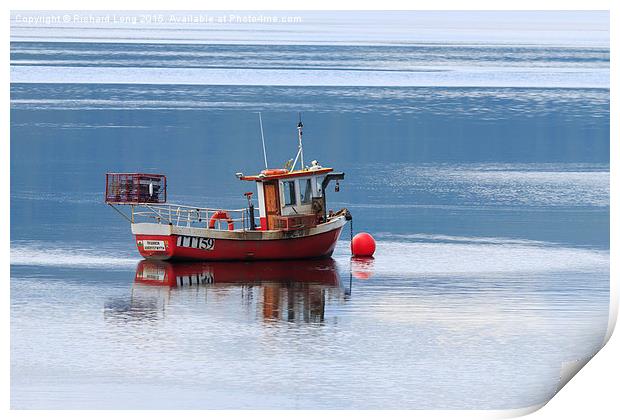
[[294, 221]]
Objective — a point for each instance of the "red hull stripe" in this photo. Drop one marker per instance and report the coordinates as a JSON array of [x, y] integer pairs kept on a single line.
[[175, 247]]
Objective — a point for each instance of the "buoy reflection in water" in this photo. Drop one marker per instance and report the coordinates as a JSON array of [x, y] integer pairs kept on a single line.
[[362, 268]]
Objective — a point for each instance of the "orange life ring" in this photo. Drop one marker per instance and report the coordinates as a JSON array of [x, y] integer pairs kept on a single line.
[[274, 171], [221, 215]]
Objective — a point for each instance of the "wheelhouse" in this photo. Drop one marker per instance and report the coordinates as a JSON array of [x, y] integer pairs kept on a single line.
[[288, 199]]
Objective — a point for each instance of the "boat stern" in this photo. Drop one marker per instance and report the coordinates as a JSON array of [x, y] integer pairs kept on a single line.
[[155, 247], [154, 241]]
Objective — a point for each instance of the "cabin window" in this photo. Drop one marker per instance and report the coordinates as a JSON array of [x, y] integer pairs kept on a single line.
[[306, 191], [319, 188], [289, 193]]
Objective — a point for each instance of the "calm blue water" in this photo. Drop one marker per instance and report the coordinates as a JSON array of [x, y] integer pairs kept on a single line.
[[482, 171]]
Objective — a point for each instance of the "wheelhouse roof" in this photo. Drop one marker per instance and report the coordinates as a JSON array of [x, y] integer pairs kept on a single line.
[[287, 175]]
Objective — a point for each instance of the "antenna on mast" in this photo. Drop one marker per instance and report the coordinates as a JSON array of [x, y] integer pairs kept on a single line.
[[300, 125], [300, 147], [262, 136]]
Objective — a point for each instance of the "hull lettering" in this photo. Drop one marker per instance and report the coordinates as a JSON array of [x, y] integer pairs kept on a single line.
[[206, 244]]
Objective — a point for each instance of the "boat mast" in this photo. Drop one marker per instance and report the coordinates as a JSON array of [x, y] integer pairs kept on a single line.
[[300, 146], [262, 136]]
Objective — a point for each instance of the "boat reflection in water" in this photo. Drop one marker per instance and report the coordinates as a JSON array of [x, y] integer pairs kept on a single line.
[[294, 291]]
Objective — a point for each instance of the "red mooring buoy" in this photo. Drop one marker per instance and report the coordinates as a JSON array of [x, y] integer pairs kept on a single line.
[[363, 245]]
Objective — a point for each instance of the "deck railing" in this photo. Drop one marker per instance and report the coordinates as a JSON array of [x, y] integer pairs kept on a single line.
[[187, 216]]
